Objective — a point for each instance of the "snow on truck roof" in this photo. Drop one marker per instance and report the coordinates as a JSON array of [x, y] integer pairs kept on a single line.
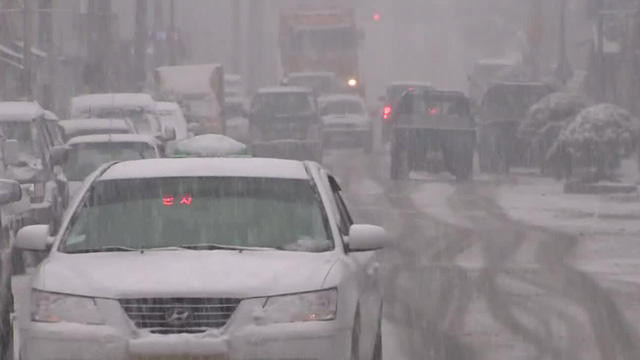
[[284, 90], [121, 100], [20, 111], [207, 167], [114, 138], [98, 124]]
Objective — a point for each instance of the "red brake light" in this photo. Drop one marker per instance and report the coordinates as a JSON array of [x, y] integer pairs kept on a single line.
[[434, 111], [386, 112]]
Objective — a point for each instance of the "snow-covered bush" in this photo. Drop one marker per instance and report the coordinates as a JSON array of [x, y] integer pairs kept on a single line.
[[553, 108], [601, 136]]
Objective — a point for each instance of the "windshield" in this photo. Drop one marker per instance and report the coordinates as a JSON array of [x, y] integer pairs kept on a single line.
[[342, 107], [140, 117], [172, 212], [86, 158], [21, 131], [284, 104], [317, 40], [395, 92]]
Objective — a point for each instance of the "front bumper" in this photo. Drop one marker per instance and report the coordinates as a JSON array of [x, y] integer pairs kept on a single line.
[[317, 341]]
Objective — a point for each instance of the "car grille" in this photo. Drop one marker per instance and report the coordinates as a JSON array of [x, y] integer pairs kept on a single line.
[[179, 315]]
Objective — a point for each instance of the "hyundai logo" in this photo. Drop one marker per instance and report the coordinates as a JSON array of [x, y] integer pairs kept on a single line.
[[178, 316]]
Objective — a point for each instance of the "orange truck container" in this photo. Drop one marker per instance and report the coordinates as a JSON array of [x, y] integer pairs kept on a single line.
[[321, 40]]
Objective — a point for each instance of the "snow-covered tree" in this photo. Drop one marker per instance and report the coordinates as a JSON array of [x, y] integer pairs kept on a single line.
[[600, 137]]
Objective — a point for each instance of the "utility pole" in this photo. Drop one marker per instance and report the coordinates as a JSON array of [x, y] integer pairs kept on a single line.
[[140, 45], [159, 43], [26, 50], [173, 37], [45, 42], [236, 36], [563, 70], [601, 84]]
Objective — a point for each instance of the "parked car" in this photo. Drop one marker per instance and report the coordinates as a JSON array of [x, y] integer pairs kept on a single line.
[[345, 119], [31, 152], [84, 127], [284, 122], [10, 193], [213, 258], [88, 153]]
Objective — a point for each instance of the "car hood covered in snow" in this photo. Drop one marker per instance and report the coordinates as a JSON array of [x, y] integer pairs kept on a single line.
[[184, 273]]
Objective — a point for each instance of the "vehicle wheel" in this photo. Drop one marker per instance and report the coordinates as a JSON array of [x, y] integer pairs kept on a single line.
[[355, 337]]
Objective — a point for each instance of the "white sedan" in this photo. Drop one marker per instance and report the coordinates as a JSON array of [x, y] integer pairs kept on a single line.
[[227, 258]]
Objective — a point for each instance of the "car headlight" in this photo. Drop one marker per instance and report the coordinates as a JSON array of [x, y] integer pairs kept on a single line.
[[54, 308], [312, 306]]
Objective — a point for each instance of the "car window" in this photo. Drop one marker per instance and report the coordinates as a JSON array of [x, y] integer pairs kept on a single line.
[[85, 158], [345, 220], [342, 107], [284, 104], [282, 214]]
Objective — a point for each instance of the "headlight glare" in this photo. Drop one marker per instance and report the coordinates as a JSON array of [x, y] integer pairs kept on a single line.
[[312, 306], [55, 308]]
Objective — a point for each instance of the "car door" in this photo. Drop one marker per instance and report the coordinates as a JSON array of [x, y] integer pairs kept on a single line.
[[367, 267]]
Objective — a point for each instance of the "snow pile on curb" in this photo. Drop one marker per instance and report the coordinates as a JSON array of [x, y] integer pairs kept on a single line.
[[544, 204]]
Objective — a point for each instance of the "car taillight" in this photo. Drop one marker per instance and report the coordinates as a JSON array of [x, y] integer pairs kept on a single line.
[[386, 112]]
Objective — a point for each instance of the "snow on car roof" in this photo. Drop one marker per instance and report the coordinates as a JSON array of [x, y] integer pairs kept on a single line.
[[284, 90], [207, 167], [187, 79], [114, 138], [20, 111], [121, 100], [412, 83], [100, 124], [340, 97]]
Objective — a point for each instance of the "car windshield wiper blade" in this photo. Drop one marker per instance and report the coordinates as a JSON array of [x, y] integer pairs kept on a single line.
[[221, 247], [102, 249]]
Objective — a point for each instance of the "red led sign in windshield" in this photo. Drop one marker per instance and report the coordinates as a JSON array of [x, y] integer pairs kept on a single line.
[[170, 200]]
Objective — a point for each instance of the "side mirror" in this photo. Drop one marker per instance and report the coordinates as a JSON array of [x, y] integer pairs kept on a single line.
[[34, 237], [10, 192], [12, 152], [367, 238], [169, 134], [59, 155]]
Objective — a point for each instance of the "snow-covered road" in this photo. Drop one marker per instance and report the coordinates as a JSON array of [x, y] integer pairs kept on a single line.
[[505, 268]]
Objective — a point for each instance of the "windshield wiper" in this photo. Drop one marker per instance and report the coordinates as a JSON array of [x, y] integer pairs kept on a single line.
[[221, 247], [102, 249]]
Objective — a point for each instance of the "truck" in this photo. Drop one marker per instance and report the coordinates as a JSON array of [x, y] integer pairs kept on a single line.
[[321, 40], [433, 131]]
